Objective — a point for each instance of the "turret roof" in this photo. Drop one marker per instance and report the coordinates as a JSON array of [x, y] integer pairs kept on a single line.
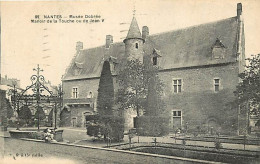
[[134, 31]]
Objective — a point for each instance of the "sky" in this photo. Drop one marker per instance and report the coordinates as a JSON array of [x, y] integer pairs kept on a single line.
[[52, 45]]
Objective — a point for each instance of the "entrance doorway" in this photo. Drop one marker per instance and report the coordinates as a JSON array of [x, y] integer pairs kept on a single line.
[[213, 126], [176, 119]]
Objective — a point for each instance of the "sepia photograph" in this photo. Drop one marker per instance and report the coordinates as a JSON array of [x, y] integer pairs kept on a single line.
[[129, 81]]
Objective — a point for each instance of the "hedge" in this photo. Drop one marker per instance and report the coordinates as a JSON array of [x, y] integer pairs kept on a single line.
[[108, 126], [93, 130], [152, 125], [114, 127]]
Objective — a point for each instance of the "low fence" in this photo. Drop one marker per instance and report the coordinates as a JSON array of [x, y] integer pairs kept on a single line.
[[95, 154], [232, 140], [195, 152]]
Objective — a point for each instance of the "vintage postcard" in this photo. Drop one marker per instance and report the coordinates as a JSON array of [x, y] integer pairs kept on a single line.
[[127, 81]]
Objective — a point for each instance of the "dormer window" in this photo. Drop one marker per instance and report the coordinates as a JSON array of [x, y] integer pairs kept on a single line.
[[154, 56], [155, 60], [136, 45], [218, 50], [113, 62]]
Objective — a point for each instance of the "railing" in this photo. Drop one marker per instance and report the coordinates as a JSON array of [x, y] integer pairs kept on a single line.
[[78, 100]]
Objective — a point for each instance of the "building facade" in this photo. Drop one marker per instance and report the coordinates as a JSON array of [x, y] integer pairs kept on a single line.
[[199, 66]]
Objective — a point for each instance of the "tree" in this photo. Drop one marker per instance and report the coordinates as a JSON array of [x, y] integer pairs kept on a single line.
[[25, 113], [105, 98], [10, 111], [3, 109], [132, 87], [108, 123], [155, 105], [140, 88], [41, 114], [6, 111], [248, 91]]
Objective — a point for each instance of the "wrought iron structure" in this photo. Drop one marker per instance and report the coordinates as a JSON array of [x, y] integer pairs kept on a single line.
[[38, 87]]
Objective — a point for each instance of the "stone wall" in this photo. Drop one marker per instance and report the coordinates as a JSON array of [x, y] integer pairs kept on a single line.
[[84, 88], [78, 115], [198, 101]]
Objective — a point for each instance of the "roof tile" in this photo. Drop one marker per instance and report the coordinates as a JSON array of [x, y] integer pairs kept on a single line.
[[180, 48]]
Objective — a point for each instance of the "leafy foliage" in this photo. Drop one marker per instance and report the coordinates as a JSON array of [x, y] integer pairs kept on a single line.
[[41, 114], [248, 91], [152, 125], [93, 130], [155, 105], [108, 126], [140, 88], [25, 113], [133, 90], [113, 127], [10, 111]]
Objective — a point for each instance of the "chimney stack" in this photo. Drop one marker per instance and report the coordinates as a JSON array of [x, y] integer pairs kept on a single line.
[[145, 32], [109, 40], [79, 45], [239, 9]]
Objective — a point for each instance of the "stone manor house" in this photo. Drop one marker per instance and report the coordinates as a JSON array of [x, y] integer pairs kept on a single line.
[[199, 66]]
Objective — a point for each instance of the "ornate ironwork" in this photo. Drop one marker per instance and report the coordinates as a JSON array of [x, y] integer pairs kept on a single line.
[[38, 88]]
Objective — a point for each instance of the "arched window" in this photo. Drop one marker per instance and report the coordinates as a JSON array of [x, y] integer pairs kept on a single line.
[[136, 45]]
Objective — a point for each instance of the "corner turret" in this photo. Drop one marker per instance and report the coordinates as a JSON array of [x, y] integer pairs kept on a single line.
[[134, 42]]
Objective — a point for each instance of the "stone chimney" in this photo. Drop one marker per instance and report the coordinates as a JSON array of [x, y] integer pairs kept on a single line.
[[79, 45], [109, 40], [240, 39], [145, 32], [239, 9]]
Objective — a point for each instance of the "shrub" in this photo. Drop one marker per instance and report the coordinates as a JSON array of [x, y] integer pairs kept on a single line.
[[108, 126], [12, 123], [152, 125], [41, 114], [25, 113], [93, 130], [113, 127]]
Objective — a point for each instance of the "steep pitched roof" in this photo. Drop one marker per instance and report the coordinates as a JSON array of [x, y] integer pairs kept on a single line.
[[134, 31], [193, 46], [89, 62], [180, 48]]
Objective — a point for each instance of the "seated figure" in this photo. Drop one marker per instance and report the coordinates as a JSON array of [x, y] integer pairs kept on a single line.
[[48, 136]]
